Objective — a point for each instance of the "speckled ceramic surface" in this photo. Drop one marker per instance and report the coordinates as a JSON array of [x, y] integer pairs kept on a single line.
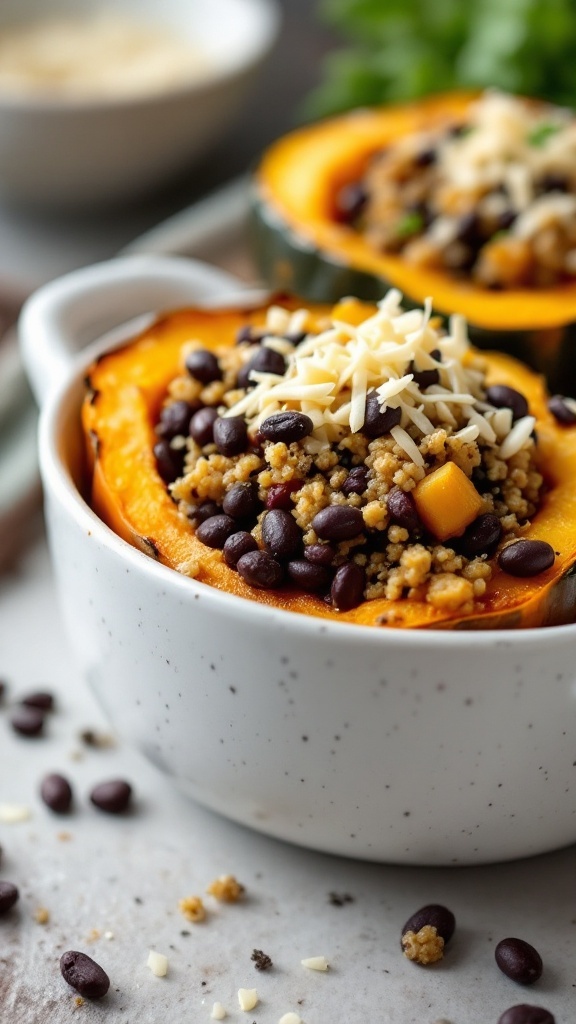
[[422, 748]]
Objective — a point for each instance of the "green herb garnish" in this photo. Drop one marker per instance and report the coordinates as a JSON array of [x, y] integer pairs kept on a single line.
[[539, 136], [410, 224], [397, 49]]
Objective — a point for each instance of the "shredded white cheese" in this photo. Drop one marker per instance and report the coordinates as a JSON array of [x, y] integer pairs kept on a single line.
[[158, 964], [330, 375], [315, 963], [13, 814], [247, 998]]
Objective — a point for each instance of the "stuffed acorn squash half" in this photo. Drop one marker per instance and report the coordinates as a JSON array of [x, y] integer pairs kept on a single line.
[[470, 199], [358, 463]]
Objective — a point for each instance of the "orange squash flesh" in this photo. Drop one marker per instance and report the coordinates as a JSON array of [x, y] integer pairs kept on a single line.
[[301, 246], [126, 390]]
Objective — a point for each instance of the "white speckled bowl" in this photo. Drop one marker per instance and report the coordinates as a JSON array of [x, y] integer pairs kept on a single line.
[[74, 151], [417, 748]]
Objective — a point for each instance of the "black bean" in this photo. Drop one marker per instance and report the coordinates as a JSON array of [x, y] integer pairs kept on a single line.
[[296, 338], [236, 545], [504, 397], [320, 554], [175, 419], [347, 590], [356, 481], [554, 181], [84, 975], [280, 495], [203, 366], [200, 513], [169, 461], [402, 510], [506, 219], [526, 557], [286, 427], [308, 576], [41, 699], [338, 522], [230, 435], [518, 960], [202, 426], [27, 721], [350, 201], [9, 895], [425, 157], [56, 793], [435, 915], [214, 532], [241, 501], [470, 230], [281, 535], [523, 1014], [259, 569], [424, 378], [248, 335], [113, 796], [2, 689], [265, 360], [561, 411], [377, 423], [481, 537]]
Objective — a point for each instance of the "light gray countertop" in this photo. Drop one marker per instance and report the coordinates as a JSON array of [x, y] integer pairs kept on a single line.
[[122, 877]]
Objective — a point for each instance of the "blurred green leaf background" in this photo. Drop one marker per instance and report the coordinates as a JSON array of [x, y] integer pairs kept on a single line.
[[400, 49]]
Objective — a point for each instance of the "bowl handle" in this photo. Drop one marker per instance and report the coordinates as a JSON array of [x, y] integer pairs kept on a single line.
[[66, 315]]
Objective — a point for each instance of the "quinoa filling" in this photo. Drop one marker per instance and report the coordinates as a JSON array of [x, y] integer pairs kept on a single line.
[[492, 198], [359, 458]]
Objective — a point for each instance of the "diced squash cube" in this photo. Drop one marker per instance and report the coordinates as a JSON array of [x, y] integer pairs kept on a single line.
[[447, 501]]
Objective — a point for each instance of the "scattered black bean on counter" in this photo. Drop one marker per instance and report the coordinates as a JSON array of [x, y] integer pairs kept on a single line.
[[27, 721], [9, 895], [56, 792], [524, 1014], [518, 960], [41, 699], [84, 975], [113, 796], [434, 915]]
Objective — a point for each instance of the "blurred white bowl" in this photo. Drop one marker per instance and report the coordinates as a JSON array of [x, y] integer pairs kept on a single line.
[[82, 149]]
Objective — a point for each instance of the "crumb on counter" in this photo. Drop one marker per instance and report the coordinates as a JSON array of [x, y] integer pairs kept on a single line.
[[218, 1012], [247, 998], [193, 909], [315, 963], [262, 961], [424, 946], [158, 964], [41, 915], [226, 888]]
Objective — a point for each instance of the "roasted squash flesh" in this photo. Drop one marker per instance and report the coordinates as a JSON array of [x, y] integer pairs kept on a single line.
[[127, 388]]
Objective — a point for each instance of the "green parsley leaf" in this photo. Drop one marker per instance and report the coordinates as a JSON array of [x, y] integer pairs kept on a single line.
[[539, 136], [410, 224]]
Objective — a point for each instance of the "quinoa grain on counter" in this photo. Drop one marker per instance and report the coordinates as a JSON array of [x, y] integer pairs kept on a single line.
[[354, 460]]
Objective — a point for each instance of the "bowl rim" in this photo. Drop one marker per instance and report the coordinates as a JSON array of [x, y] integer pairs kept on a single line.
[[59, 481], [270, 19]]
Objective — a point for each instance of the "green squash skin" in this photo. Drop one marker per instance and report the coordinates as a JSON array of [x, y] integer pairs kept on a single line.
[[289, 263]]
